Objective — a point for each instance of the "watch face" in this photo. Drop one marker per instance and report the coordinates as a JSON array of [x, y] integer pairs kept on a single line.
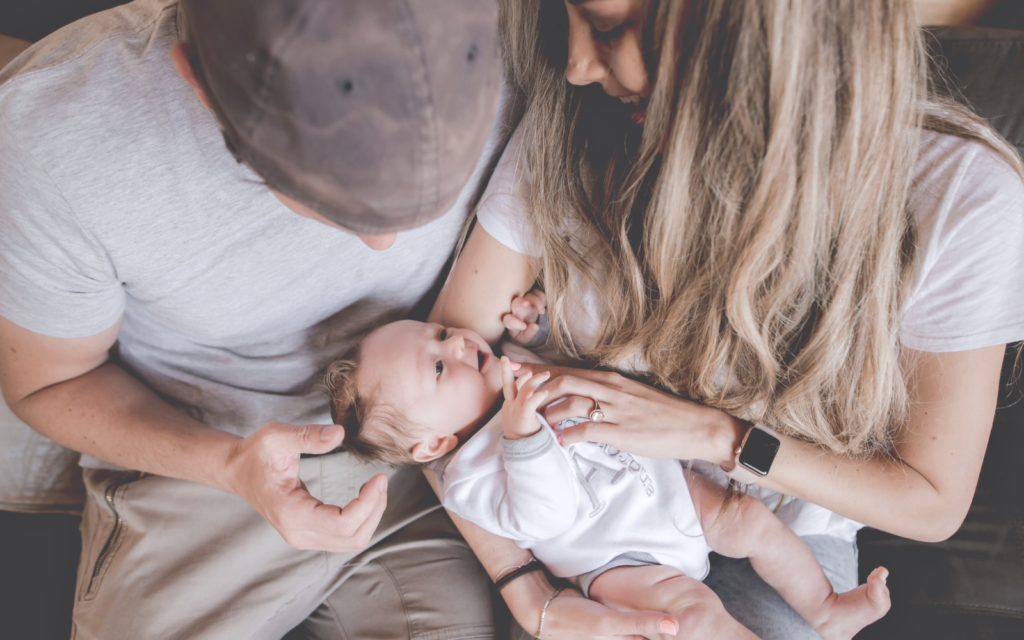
[[759, 451]]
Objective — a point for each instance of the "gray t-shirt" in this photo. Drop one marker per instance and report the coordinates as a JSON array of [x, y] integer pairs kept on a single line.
[[118, 196]]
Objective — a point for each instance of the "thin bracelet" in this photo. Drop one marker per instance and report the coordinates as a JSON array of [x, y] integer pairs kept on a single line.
[[512, 575], [544, 612]]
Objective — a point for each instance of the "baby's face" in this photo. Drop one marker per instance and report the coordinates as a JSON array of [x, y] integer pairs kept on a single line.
[[446, 380]]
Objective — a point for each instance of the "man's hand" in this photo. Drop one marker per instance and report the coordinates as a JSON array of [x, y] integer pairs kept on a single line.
[[519, 413], [525, 312], [264, 470]]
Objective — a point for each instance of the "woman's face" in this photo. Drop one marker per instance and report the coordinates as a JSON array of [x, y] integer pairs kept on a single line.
[[605, 47]]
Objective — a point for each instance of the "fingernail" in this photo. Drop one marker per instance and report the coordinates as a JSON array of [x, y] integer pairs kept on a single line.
[[668, 626], [383, 486], [327, 433], [515, 366]]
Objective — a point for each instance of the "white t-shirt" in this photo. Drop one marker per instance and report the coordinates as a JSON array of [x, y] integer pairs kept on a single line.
[[968, 289]]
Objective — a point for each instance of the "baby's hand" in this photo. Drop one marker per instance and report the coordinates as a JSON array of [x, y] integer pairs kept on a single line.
[[519, 413], [521, 320]]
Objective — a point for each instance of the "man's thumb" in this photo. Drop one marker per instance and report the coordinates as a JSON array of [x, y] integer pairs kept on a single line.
[[319, 438]]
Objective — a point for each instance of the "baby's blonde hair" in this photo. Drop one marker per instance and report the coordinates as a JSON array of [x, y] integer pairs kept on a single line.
[[392, 436]]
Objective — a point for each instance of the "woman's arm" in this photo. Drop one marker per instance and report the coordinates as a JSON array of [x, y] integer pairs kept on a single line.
[[922, 491], [486, 277]]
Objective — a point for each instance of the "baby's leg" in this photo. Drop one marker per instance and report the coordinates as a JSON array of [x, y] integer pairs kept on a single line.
[[697, 610], [749, 530]]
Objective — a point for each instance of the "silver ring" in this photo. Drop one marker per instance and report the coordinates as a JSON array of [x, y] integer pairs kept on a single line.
[[597, 415]]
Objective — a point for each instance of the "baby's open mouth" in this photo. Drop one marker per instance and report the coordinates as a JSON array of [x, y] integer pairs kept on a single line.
[[481, 360]]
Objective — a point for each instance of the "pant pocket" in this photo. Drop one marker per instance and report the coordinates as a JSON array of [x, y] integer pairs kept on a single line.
[[108, 531]]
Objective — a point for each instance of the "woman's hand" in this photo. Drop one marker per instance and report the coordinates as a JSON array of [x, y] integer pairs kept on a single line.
[[638, 418], [570, 616]]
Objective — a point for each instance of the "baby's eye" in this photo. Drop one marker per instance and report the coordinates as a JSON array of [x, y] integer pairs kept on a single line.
[[443, 335], [438, 369]]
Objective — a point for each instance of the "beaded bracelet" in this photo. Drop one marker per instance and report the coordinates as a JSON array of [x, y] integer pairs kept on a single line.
[[544, 611]]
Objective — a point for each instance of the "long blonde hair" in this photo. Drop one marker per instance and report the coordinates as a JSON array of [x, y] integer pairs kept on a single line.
[[758, 224]]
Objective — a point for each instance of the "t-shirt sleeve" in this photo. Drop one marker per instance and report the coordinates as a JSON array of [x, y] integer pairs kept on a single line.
[[503, 211], [968, 289], [57, 280]]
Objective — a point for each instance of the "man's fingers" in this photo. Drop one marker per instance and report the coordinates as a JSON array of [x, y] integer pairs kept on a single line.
[[365, 530], [311, 516], [310, 438]]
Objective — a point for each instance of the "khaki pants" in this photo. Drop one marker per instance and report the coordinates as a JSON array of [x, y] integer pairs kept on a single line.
[[164, 558]]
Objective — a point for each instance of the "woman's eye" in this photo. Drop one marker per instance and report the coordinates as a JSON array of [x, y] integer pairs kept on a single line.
[[443, 335], [438, 369], [611, 34]]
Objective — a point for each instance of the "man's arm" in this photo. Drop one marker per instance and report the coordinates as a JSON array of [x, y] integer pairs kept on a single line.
[[69, 391]]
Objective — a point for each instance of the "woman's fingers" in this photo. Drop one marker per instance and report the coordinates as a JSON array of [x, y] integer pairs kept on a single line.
[[573, 616], [603, 432], [571, 407]]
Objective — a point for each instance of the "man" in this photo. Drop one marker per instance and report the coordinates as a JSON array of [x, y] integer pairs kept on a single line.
[[211, 191]]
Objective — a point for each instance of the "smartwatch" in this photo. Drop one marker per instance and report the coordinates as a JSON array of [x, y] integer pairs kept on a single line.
[[755, 455]]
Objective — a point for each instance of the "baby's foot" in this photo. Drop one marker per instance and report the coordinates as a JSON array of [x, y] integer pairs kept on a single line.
[[852, 611]]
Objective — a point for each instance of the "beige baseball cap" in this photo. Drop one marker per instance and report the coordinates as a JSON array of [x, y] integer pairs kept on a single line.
[[373, 113]]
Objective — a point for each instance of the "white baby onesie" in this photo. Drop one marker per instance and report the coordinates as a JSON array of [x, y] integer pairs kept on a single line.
[[578, 507]]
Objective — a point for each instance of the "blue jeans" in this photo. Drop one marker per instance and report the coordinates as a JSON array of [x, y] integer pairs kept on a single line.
[[760, 608]]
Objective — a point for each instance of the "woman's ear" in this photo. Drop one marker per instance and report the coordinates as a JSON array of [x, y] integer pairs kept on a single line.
[[433, 447], [179, 56]]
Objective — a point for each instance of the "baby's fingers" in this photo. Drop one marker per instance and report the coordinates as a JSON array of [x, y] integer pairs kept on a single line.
[[523, 379], [508, 381], [513, 323], [533, 403], [535, 381], [538, 300]]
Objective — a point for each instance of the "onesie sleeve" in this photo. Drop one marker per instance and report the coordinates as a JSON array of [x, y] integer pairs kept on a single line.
[[522, 489], [542, 495], [503, 211], [57, 279], [968, 289]]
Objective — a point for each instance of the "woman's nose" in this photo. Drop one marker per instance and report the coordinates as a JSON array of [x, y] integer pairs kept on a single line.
[[585, 64]]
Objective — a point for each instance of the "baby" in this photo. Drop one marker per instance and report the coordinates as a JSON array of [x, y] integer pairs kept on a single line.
[[633, 533]]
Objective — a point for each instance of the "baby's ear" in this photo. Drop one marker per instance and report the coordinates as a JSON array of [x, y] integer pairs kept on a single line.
[[433, 447]]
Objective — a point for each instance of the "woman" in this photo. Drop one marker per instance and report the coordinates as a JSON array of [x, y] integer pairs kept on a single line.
[[757, 205]]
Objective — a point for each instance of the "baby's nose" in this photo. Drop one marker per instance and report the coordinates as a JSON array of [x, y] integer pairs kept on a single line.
[[458, 344]]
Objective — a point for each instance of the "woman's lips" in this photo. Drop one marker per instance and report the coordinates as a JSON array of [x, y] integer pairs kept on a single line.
[[638, 108]]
